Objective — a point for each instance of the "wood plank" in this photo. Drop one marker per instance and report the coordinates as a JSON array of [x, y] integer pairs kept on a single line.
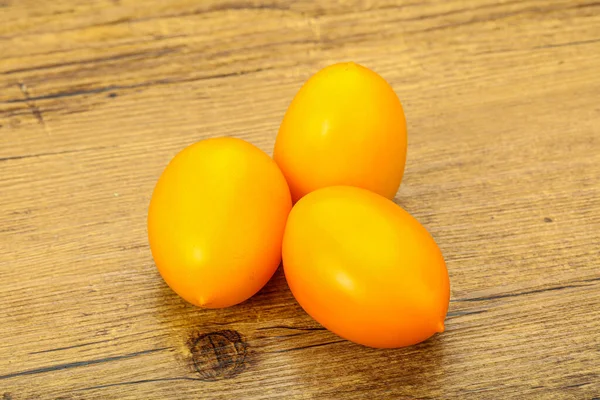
[[501, 99]]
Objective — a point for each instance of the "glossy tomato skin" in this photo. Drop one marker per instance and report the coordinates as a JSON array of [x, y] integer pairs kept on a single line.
[[364, 268], [345, 126], [216, 221]]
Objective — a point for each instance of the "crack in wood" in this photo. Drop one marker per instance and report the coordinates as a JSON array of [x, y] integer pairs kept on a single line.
[[136, 56], [78, 364], [20, 157], [296, 328], [575, 43], [37, 113], [307, 347], [182, 378], [70, 347], [492, 17], [110, 88], [524, 293], [453, 314]]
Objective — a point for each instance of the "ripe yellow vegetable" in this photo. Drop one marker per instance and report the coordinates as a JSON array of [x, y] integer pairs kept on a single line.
[[364, 268], [345, 126], [216, 221]]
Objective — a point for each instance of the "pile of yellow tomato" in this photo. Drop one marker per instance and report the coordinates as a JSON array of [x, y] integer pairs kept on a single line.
[[224, 214]]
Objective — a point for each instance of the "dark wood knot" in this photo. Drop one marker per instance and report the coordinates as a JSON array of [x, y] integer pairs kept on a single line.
[[218, 355]]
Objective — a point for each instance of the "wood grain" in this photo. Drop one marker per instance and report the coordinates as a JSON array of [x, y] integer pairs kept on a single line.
[[503, 105]]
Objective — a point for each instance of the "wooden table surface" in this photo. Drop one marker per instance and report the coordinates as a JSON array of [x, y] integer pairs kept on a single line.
[[502, 100]]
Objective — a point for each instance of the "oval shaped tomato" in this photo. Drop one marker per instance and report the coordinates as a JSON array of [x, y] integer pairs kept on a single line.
[[364, 268], [216, 221], [345, 126]]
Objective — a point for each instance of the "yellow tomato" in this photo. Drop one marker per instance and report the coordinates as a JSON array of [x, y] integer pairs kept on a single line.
[[216, 221], [345, 126], [364, 268]]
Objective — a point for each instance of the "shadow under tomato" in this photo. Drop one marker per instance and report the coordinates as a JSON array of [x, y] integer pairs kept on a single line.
[[272, 329]]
